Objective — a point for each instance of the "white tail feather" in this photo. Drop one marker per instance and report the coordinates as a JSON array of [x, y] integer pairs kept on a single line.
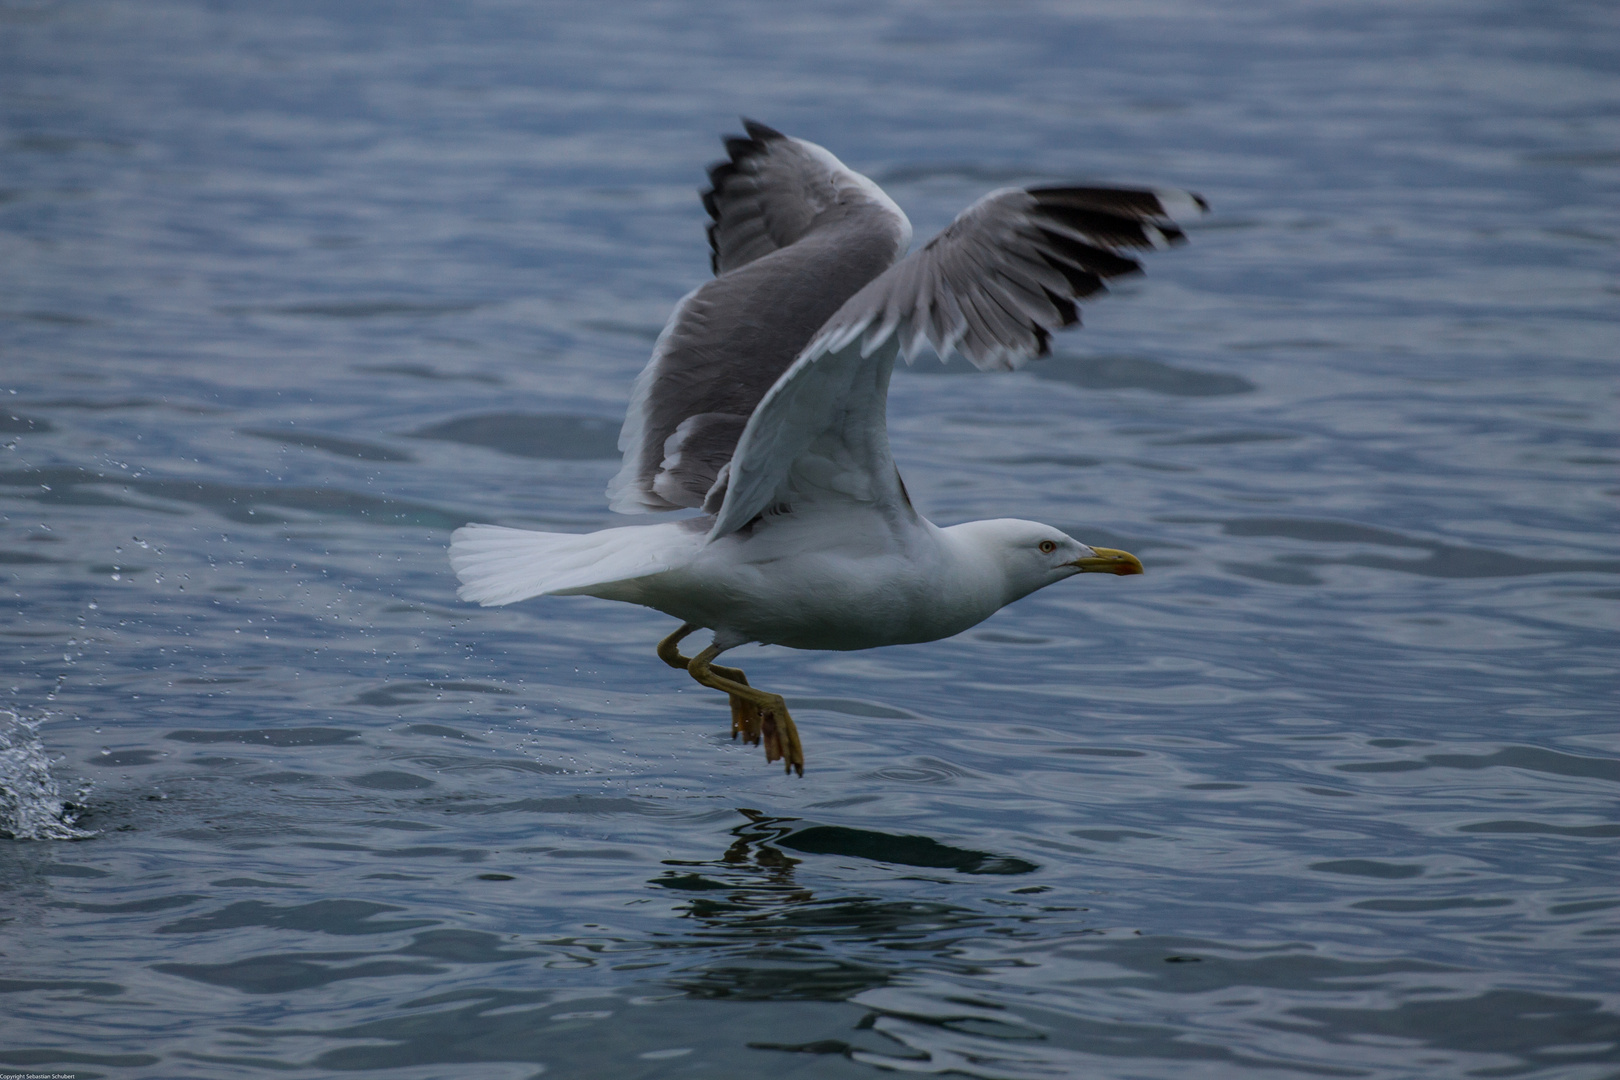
[[498, 565]]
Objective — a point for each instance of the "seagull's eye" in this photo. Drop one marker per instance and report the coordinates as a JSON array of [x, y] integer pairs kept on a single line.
[[1048, 546]]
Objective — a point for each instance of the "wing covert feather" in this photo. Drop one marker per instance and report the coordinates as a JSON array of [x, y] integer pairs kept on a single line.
[[795, 234]]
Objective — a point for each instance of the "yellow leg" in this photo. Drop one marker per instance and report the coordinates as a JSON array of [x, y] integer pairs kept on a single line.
[[669, 650], [670, 653], [767, 710], [755, 714], [747, 719]]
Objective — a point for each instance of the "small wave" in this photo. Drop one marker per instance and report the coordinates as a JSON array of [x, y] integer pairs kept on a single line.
[[31, 805]]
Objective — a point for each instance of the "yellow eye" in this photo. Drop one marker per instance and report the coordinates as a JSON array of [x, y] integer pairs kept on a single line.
[[1048, 546]]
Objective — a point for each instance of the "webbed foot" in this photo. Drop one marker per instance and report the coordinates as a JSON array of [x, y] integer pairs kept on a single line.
[[772, 725], [756, 715]]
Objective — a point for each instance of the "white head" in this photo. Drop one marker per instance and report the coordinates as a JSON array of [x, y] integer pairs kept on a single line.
[[1032, 556]]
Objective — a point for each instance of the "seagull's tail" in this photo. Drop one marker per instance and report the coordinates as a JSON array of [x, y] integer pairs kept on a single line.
[[497, 565]]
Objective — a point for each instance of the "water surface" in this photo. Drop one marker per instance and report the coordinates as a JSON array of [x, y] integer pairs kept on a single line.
[[292, 290]]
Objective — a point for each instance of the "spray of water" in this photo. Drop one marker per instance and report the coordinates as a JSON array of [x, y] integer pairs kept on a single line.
[[31, 806]]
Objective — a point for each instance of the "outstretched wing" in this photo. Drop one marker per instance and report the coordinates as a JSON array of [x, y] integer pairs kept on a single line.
[[1006, 273], [993, 286], [795, 234]]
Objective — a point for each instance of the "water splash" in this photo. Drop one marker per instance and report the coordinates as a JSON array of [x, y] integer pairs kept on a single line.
[[31, 805]]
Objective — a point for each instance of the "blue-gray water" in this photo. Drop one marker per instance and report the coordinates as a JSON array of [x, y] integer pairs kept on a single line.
[[1329, 792]]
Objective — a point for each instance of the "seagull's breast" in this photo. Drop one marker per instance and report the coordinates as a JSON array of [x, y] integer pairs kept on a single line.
[[845, 582]]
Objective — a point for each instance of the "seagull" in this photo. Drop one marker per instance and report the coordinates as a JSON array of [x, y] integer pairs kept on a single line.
[[762, 409]]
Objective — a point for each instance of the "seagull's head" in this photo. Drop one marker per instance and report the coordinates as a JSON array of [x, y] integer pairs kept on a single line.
[[1032, 556]]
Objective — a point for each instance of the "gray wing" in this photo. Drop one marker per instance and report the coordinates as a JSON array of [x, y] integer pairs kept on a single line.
[[993, 285], [1006, 273], [765, 197], [795, 235]]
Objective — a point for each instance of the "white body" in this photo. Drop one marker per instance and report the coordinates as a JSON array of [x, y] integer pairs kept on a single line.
[[830, 581], [836, 579]]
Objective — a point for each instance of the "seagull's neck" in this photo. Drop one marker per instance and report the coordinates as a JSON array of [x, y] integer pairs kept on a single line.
[[973, 573]]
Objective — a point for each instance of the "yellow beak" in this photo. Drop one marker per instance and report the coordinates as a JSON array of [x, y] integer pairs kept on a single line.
[[1109, 561]]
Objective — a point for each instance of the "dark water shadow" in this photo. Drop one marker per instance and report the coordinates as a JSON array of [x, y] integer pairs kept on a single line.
[[1536, 759], [332, 444], [45, 318], [1369, 868], [853, 707], [94, 989], [1098, 537], [903, 850], [1443, 560], [16, 424], [423, 371], [248, 504], [954, 170], [554, 436], [1321, 531], [276, 973], [564, 804], [640, 331], [1227, 438], [390, 780], [25, 558], [1542, 828], [1138, 373], [1539, 1030], [442, 732], [281, 737], [283, 973], [346, 918], [1108, 373], [41, 143], [38, 1058], [1276, 575], [122, 758], [466, 947], [394, 695], [354, 309], [130, 907], [1531, 758], [481, 1025], [110, 405]]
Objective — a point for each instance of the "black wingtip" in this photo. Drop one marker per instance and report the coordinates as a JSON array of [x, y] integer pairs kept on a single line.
[[739, 148], [1138, 204], [757, 130], [1068, 314], [714, 246]]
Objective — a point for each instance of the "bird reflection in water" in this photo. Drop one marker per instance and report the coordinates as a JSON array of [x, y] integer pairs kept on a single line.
[[773, 939]]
